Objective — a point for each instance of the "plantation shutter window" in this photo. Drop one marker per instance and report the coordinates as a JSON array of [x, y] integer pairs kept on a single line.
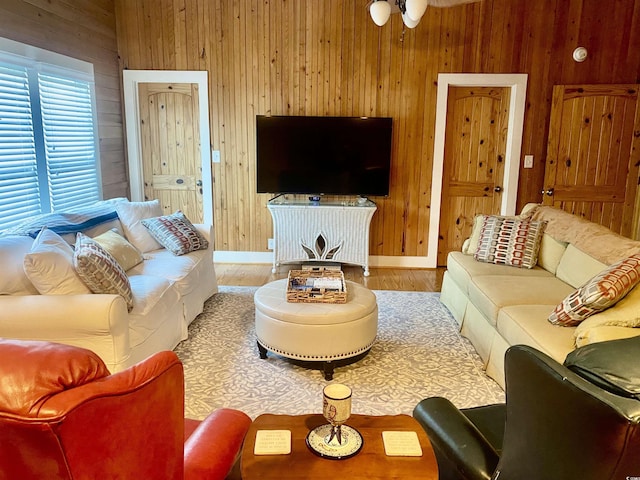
[[69, 141], [48, 142], [19, 191]]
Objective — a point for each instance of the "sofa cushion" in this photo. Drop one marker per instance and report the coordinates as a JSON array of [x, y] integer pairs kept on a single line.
[[147, 291], [49, 266], [100, 271], [509, 241], [490, 293], [625, 313], [550, 254], [176, 233], [184, 270], [576, 267], [14, 280], [603, 333], [601, 292], [528, 325], [125, 253], [464, 267], [131, 215], [157, 303]]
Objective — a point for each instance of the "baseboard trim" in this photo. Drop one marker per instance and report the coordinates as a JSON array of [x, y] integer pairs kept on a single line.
[[379, 261]]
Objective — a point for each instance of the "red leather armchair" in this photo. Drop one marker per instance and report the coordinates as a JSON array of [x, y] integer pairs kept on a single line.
[[63, 416]]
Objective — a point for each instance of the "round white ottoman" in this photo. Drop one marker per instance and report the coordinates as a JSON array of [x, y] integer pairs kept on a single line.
[[316, 332]]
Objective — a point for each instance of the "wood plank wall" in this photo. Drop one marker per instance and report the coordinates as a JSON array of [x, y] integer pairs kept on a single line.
[[86, 30], [327, 57]]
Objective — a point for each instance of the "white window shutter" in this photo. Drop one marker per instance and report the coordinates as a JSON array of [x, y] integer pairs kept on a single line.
[[19, 192], [70, 141]]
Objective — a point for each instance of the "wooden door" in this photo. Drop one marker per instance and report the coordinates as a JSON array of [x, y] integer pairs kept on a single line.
[[593, 153], [474, 154], [170, 146]]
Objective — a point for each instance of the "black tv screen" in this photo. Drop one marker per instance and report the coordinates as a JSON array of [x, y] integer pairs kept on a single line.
[[323, 155]]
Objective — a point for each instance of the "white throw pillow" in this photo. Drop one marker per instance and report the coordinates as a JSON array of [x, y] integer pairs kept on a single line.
[[14, 280], [131, 214], [49, 266]]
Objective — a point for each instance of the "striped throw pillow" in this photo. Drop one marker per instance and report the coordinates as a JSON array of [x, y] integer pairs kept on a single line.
[[99, 270], [509, 241], [601, 292]]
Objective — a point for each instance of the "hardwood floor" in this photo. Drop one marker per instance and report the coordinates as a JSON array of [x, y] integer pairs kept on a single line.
[[408, 279]]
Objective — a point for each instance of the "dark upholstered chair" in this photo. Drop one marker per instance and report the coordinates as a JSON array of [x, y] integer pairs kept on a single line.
[[554, 425], [63, 416]]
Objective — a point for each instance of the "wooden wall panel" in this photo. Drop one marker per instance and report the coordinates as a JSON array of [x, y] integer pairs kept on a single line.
[[307, 57], [83, 29], [328, 58]]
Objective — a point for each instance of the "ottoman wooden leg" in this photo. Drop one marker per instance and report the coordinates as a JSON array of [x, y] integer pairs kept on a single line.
[[328, 370], [262, 351]]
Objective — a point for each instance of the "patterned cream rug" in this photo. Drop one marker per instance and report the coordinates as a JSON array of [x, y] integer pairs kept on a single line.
[[418, 353]]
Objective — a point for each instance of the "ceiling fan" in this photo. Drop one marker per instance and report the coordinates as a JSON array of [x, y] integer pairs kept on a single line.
[[411, 10]]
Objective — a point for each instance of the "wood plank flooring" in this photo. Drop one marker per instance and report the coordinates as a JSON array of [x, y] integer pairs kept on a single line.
[[408, 279]]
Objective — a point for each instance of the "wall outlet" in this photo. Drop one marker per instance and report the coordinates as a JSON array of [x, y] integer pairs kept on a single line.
[[270, 244], [215, 156], [528, 161]]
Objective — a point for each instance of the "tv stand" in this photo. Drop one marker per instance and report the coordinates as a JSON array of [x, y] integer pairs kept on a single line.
[[321, 232]]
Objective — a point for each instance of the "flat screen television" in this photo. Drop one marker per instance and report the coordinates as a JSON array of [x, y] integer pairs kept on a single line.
[[323, 155]]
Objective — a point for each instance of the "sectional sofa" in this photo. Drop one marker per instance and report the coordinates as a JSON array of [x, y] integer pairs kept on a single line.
[[497, 305], [43, 296]]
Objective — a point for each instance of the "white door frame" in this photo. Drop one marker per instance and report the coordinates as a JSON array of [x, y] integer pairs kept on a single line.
[[131, 79], [518, 84]]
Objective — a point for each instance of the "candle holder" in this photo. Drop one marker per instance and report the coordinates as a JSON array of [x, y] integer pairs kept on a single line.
[[335, 440]]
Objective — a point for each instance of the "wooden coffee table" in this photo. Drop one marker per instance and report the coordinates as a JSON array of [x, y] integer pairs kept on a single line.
[[370, 463]]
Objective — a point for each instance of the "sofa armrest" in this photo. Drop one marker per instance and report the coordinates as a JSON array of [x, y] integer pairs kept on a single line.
[[461, 449], [95, 321], [206, 231], [212, 449]]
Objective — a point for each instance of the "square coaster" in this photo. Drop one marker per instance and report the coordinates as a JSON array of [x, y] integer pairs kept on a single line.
[[272, 442], [401, 444]]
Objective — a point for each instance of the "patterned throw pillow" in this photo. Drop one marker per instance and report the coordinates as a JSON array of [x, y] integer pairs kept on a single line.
[[176, 233], [599, 293], [510, 241], [99, 270]]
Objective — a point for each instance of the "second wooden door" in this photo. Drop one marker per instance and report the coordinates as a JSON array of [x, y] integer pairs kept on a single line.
[[593, 154]]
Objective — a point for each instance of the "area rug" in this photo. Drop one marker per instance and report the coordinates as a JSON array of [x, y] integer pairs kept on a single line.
[[418, 353]]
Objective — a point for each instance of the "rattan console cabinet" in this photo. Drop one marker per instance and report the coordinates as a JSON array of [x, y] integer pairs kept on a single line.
[[321, 232]]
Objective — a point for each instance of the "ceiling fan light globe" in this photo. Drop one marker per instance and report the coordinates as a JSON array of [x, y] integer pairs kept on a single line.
[[380, 12], [416, 9], [409, 22]]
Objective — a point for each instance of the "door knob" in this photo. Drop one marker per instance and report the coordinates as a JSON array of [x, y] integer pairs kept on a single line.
[[548, 192], [497, 189]]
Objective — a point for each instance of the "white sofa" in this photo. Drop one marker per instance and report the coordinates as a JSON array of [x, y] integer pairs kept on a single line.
[[169, 291], [498, 306]]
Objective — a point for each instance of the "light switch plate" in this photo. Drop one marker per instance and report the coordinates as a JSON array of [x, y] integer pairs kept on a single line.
[[216, 156], [528, 161]]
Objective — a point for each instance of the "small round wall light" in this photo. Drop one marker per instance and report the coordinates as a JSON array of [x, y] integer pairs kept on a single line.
[[580, 54]]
